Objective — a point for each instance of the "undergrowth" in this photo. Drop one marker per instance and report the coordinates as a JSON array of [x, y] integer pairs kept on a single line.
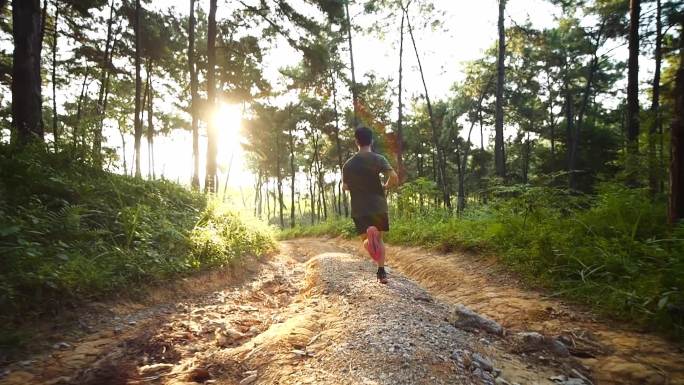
[[612, 251], [70, 232]]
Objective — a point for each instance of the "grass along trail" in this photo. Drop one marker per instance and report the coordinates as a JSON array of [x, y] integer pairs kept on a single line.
[[313, 314]]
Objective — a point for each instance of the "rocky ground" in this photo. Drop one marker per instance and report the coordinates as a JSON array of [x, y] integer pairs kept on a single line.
[[313, 314]]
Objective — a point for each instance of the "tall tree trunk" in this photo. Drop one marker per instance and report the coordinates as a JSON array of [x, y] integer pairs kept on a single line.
[[312, 192], [108, 78], [321, 180], [79, 107], [150, 126], [551, 118], [279, 176], [576, 128], [268, 202], [355, 96], [293, 171], [526, 158], [212, 145], [463, 163], [479, 118], [123, 149], [439, 165], [676, 206], [137, 134], [633, 92], [26, 83], [97, 139], [499, 152], [570, 130], [55, 34], [193, 97], [338, 143], [400, 137], [43, 21], [653, 172]]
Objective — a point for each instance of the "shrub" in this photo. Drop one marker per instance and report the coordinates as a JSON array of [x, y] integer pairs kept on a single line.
[[70, 232]]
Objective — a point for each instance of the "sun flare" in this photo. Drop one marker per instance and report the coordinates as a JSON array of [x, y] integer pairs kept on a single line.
[[228, 119]]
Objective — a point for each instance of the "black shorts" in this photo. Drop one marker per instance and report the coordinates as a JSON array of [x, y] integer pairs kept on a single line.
[[380, 220]]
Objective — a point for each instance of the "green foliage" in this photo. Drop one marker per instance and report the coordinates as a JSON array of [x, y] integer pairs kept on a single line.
[[612, 251], [70, 232], [334, 227]]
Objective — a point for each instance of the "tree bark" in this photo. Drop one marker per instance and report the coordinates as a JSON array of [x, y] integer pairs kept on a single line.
[[355, 96], [55, 34], [312, 192], [212, 145], [676, 206], [193, 97], [338, 144], [569, 131], [551, 118], [26, 82], [321, 180], [633, 89], [293, 171], [279, 176], [79, 108], [138, 88], [268, 203], [439, 165], [526, 157], [499, 152], [123, 149], [150, 126], [653, 172], [576, 128], [97, 139], [463, 167], [43, 21]]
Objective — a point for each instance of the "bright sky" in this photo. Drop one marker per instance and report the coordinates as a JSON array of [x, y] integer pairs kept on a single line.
[[469, 29]]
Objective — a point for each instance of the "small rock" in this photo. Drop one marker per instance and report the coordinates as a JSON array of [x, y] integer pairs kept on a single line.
[[559, 348], [199, 375], [227, 337], [154, 369], [530, 338], [249, 379], [61, 346], [563, 380], [483, 362], [462, 317], [132, 323], [534, 342], [299, 352]]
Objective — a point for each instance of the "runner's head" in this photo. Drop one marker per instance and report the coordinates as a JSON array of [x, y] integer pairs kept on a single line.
[[364, 136]]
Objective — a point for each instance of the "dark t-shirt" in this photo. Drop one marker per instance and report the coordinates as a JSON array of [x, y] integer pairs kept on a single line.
[[361, 173]]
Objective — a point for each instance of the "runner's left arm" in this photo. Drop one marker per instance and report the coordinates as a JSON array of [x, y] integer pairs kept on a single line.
[[392, 177]]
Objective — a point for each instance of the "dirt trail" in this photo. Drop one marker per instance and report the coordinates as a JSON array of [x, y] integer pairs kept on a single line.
[[313, 314], [614, 353]]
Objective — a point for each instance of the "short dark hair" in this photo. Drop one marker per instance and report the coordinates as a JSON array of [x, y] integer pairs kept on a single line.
[[364, 136]]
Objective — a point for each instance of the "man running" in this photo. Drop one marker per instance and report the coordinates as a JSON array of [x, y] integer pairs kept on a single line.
[[361, 176]]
